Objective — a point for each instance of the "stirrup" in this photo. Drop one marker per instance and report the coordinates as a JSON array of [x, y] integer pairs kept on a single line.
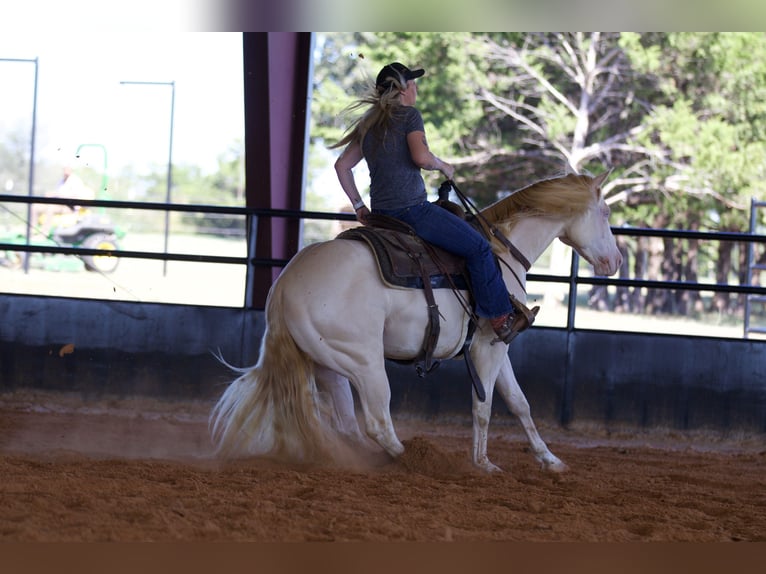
[[529, 314], [522, 319]]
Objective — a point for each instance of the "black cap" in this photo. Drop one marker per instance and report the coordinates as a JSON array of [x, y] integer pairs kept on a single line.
[[397, 71]]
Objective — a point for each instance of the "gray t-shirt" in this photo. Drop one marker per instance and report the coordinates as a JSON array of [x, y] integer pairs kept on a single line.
[[395, 180]]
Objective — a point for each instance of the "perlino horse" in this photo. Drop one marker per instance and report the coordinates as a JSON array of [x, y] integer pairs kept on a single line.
[[331, 321]]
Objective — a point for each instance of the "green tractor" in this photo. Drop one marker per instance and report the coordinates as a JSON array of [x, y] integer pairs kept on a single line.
[[77, 226], [84, 228]]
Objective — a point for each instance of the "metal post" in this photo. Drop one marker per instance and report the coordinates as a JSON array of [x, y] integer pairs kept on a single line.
[[168, 192], [252, 234], [31, 164], [567, 391], [572, 306], [170, 172], [31, 178]]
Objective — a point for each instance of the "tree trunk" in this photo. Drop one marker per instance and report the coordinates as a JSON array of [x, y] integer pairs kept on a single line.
[[670, 272], [622, 301], [721, 301], [640, 271], [657, 299], [690, 302]]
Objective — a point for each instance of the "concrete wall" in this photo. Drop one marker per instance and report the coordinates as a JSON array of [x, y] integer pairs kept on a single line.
[[122, 348], [167, 351]]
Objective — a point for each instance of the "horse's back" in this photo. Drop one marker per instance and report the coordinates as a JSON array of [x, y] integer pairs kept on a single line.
[[333, 294], [328, 269]]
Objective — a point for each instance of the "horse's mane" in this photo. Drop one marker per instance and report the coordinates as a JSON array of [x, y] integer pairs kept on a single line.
[[562, 196]]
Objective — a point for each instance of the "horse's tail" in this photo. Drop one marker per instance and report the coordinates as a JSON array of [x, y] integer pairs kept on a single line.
[[273, 409]]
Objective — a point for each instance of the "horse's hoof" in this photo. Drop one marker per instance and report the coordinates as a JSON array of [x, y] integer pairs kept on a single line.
[[488, 467], [555, 466]]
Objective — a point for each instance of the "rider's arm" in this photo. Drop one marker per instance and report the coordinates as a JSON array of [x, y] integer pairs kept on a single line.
[[351, 156], [424, 158]]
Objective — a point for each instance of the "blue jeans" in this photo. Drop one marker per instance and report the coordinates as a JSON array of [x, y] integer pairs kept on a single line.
[[444, 229]]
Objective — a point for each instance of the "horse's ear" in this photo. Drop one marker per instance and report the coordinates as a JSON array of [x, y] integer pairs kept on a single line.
[[599, 180]]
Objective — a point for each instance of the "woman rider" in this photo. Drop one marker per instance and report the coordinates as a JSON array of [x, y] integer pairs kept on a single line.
[[390, 136]]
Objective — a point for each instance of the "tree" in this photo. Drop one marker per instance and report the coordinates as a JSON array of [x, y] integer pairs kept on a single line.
[[679, 117], [708, 122], [554, 103]]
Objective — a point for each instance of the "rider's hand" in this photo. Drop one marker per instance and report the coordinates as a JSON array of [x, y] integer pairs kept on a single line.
[[361, 214], [447, 170]]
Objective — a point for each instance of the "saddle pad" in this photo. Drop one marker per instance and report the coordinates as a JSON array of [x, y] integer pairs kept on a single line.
[[398, 253]]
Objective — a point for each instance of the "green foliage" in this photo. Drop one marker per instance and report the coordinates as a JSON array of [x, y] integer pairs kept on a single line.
[[559, 122], [712, 122], [645, 57], [679, 117]]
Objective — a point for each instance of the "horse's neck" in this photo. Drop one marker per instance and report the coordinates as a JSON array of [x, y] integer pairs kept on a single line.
[[532, 236]]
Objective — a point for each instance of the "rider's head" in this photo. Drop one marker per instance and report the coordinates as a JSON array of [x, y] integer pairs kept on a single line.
[[396, 75]]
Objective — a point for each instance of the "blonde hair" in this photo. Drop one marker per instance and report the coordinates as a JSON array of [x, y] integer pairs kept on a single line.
[[383, 106]]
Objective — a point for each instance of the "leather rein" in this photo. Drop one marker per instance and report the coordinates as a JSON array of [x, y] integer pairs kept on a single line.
[[490, 229]]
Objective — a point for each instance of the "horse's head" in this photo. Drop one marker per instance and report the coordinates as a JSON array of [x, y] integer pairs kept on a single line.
[[590, 234], [575, 210]]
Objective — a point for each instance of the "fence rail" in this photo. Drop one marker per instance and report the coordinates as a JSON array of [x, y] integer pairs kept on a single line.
[[253, 215]]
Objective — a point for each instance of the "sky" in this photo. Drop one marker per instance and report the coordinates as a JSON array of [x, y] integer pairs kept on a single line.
[[80, 98]]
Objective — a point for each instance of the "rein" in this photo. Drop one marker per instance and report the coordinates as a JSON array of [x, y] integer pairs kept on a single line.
[[489, 229]]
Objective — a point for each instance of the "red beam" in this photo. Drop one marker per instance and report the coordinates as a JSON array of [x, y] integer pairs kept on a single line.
[[277, 80]]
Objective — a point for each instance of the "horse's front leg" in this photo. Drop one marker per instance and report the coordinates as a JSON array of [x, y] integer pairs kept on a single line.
[[487, 360], [509, 389]]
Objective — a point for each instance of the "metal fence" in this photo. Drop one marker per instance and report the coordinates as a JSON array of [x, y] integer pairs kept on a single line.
[[253, 216]]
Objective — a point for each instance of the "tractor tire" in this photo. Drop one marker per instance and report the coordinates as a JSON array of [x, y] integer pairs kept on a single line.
[[100, 263], [12, 259]]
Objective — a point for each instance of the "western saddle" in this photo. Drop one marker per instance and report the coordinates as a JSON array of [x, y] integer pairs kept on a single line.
[[405, 260]]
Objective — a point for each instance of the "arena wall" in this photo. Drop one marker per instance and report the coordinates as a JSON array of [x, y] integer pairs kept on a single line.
[[103, 348]]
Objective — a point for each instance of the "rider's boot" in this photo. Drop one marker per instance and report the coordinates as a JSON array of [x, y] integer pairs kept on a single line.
[[508, 326]]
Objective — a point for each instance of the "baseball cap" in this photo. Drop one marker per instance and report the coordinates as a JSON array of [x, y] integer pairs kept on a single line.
[[398, 71]]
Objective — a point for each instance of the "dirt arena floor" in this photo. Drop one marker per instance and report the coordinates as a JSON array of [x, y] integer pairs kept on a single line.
[[142, 470]]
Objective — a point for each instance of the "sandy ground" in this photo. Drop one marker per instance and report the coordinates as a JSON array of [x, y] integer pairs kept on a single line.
[[142, 470]]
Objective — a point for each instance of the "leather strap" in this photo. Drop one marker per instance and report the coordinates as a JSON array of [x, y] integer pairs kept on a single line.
[[490, 229], [478, 386], [427, 363], [511, 247], [424, 363]]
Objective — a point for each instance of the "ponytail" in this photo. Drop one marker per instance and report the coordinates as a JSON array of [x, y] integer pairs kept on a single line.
[[383, 105]]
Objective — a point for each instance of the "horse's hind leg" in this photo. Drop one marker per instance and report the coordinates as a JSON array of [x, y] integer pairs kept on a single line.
[[339, 389], [509, 389], [375, 397]]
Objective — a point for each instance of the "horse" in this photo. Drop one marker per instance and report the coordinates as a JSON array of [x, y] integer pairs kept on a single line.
[[332, 322]]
